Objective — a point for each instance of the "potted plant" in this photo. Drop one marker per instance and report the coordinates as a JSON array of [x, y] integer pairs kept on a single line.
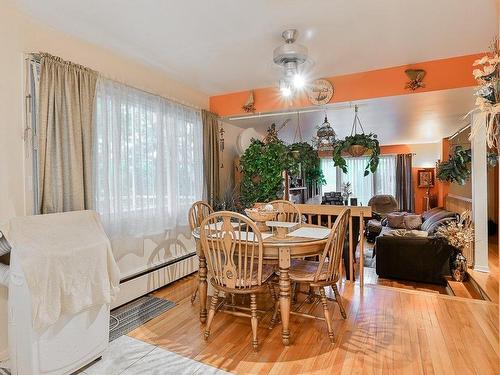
[[458, 234], [346, 192], [357, 145]]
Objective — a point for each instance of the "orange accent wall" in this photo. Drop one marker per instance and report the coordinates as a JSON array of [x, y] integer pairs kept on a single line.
[[450, 73]]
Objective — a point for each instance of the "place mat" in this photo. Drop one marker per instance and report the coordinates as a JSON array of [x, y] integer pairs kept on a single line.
[[282, 224], [244, 236], [307, 232], [218, 225]]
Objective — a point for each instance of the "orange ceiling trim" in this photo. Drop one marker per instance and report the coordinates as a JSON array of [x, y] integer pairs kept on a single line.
[[450, 73]]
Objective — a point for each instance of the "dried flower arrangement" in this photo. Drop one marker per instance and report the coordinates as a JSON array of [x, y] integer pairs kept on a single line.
[[487, 74], [459, 233]]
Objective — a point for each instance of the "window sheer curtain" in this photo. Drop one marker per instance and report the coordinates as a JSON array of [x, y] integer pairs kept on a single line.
[[330, 174], [362, 186], [148, 161], [385, 177]]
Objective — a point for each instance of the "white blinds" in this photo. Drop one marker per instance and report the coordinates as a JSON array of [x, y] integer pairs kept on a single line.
[[148, 160]]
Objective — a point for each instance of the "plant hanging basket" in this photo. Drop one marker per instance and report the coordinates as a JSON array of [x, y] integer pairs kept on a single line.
[[356, 150]]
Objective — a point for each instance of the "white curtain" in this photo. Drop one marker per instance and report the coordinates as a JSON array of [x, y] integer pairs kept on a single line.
[[385, 177], [330, 174], [362, 186], [148, 163]]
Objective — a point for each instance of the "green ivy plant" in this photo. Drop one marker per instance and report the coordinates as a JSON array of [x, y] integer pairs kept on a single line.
[[369, 141], [262, 167], [457, 168], [305, 155]]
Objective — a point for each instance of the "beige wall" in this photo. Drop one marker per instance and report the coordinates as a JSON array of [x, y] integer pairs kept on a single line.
[[20, 35], [230, 154]]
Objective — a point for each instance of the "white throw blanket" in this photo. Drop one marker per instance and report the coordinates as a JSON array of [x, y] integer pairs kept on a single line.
[[67, 262]]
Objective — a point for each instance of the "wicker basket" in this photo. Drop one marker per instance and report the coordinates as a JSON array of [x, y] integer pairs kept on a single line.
[[260, 217], [356, 150]]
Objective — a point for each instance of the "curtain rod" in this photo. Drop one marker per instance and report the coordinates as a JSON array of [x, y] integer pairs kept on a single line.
[[36, 58], [331, 107]]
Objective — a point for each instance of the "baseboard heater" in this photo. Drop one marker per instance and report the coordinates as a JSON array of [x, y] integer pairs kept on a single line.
[[156, 277]]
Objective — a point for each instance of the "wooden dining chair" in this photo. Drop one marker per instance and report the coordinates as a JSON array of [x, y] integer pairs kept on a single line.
[[326, 272], [287, 211], [233, 248], [197, 213]]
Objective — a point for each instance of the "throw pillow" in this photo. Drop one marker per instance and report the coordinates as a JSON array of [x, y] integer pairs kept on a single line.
[[432, 211], [434, 226], [396, 220], [412, 221]]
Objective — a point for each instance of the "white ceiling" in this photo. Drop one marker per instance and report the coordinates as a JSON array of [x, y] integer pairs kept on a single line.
[[414, 118], [220, 46]]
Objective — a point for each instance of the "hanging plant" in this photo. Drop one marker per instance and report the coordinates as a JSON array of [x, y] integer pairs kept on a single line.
[[307, 156], [370, 144], [262, 167], [357, 144], [457, 168]]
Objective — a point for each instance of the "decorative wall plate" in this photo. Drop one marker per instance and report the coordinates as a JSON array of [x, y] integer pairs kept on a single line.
[[320, 91]]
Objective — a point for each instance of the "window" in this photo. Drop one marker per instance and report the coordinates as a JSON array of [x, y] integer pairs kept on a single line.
[[363, 188], [148, 160]]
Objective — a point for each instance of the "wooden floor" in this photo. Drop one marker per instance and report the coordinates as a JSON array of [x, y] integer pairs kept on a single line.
[[388, 330], [489, 281]]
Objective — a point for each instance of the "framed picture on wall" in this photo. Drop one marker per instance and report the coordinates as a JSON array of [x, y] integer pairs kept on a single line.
[[425, 177]]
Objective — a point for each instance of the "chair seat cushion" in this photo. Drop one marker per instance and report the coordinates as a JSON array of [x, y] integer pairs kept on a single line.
[[305, 270]]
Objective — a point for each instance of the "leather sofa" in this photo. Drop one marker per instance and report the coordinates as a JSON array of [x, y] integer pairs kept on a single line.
[[421, 259]]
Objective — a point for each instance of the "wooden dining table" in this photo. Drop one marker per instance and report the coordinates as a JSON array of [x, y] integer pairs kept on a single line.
[[281, 249]]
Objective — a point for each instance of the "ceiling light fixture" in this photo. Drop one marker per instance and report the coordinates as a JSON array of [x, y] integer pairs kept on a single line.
[[290, 56]]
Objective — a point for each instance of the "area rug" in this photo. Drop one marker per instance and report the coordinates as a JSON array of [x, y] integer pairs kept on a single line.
[[134, 314], [369, 258]]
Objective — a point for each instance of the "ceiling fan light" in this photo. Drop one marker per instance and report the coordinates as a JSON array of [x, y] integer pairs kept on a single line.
[[298, 81], [285, 88]]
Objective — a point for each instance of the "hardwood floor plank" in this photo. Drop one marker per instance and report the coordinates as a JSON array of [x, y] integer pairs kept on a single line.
[[388, 331]]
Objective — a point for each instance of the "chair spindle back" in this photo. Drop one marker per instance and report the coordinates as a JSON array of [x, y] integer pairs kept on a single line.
[[233, 248], [333, 248], [198, 212], [287, 211]]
